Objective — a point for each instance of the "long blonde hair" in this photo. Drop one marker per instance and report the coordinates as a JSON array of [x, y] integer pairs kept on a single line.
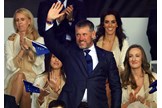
[[31, 31]]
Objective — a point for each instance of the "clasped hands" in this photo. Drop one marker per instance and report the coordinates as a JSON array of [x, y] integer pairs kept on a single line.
[[24, 44], [133, 98], [55, 13]]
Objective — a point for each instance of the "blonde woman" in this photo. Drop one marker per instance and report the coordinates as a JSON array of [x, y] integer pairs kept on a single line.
[[21, 59]]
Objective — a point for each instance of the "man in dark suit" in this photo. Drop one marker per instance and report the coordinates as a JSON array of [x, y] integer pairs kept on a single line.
[[84, 87]]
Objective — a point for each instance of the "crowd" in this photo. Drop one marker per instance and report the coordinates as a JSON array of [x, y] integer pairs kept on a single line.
[[84, 69]]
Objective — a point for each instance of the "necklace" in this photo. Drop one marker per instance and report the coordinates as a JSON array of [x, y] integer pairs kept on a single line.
[[56, 78], [57, 81]]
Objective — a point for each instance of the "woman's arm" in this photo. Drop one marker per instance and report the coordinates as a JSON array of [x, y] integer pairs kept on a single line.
[[37, 98], [13, 62]]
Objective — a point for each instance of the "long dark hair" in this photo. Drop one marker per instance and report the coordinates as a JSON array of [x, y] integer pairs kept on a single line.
[[127, 76], [48, 67], [57, 103], [119, 30]]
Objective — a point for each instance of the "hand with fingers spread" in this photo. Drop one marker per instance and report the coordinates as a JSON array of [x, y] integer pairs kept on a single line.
[[54, 11], [53, 82], [62, 17]]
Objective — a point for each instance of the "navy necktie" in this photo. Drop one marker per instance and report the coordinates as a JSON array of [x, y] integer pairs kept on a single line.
[[89, 61]]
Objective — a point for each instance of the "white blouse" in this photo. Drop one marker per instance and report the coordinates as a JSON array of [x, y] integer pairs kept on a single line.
[[12, 48], [119, 55]]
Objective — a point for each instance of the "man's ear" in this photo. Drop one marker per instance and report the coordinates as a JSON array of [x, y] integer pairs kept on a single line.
[[94, 35]]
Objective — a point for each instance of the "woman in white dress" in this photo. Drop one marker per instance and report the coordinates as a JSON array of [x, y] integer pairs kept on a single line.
[[110, 37], [21, 59], [136, 79], [50, 82]]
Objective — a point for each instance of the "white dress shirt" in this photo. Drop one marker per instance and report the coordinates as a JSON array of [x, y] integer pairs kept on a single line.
[[95, 62]]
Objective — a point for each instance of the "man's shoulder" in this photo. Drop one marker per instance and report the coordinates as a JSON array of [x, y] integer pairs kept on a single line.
[[102, 50], [103, 53]]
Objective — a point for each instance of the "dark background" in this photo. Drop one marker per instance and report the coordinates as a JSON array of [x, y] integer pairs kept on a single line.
[[126, 8]]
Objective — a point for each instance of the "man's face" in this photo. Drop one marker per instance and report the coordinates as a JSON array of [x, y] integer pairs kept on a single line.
[[84, 37]]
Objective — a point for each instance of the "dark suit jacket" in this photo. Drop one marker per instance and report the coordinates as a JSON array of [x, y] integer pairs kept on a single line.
[[152, 33], [64, 27], [77, 80], [9, 101]]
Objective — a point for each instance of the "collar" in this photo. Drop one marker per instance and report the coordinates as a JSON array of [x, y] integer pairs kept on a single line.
[[92, 48]]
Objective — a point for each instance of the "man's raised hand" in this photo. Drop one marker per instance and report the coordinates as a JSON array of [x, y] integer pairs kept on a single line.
[[54, 11]]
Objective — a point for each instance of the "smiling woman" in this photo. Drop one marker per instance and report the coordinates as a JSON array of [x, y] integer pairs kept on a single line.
[[51, 83], [110, 37], [136, 79]]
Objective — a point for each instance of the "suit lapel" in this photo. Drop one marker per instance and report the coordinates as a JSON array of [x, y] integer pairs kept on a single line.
[[99, 57], [99, 54], [81, 61], [101, 60]]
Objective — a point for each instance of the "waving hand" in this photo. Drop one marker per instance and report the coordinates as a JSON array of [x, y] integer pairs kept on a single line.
[[54, 11]]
